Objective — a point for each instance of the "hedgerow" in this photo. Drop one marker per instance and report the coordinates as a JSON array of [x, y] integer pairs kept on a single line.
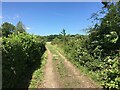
[[99, 51], [19, 53], [107, 68]]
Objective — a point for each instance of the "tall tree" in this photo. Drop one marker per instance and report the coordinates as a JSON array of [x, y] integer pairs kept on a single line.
[[106, 34], [20, 27], [63, 34]]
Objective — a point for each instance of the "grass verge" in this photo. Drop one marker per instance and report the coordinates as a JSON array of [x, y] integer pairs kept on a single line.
[[92, 75], [38, 75]]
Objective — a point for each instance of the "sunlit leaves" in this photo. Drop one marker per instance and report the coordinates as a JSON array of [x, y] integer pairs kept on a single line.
[[19, 53]]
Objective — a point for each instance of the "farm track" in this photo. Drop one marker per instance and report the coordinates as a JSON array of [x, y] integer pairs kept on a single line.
[[60, 73], [50, 79]]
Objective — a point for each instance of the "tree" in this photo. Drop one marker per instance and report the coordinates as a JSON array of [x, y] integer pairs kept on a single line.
[[7, 28], [51, 37], [20, 27], [63, 34], [106, 34], [105, 4]]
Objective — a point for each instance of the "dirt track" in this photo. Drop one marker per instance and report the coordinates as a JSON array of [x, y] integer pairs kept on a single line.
[[60, 73], [50, 80]]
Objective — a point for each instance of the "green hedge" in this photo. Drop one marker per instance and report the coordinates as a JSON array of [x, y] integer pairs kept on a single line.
[[19, 53], [107, 68]]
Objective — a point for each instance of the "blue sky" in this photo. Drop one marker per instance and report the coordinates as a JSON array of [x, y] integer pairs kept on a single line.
[[45, 18]]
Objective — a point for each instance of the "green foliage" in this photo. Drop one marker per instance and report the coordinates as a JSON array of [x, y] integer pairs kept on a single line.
[[63, 32], [106, 34], [20, 27], [49, 38], [0, 32], [56, 41], [110, 74], [105, 67], [104, 45], [19, 53], [38, 75], [7, 28], [99, 52]]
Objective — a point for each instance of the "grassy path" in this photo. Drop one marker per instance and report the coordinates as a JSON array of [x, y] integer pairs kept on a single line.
[[50, 78], [60, 73]]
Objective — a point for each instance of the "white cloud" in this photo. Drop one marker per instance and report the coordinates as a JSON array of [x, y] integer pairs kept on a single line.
[[15, 17], [1, 17], [28, 28]]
